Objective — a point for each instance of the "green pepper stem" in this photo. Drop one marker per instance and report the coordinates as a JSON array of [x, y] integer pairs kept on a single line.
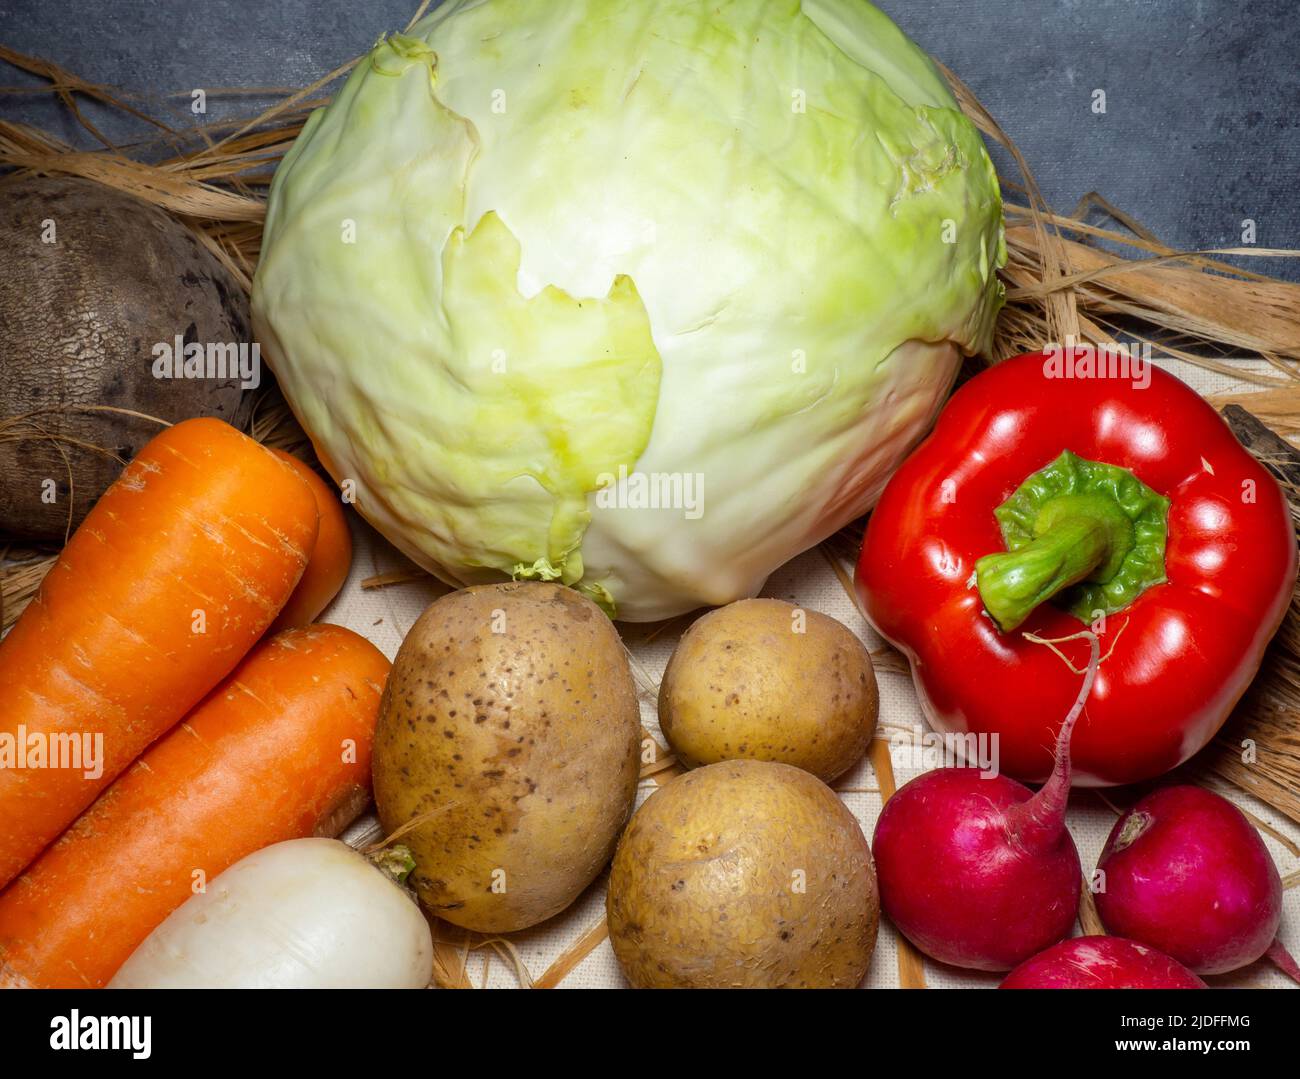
[[1076, 538]]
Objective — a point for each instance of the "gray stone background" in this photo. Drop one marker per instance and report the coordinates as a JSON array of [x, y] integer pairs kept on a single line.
[[1202, 127]]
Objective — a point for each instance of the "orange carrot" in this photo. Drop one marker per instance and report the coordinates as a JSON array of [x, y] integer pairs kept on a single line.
[[281, 750], [173, 576], [330, 559]]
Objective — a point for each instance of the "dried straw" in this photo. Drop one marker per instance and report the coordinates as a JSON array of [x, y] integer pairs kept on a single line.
[[1066, 279], [911, 965], [1089, 919], [574, 954], [1258, 751]]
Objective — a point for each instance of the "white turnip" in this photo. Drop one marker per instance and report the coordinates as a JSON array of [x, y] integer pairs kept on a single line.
[[303, 914], [1101, 963], [1187, 873], [981, 872]]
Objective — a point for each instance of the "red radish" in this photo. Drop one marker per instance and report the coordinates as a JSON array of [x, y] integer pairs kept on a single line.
[[981, 872], [1187, 873], [1101, 963]]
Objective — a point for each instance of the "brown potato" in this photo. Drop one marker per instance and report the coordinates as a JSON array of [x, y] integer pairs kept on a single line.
[[511, 719], [765, 680], [743, 874]]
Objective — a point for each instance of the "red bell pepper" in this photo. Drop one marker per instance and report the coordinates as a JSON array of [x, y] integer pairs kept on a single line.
[[1062, 492]]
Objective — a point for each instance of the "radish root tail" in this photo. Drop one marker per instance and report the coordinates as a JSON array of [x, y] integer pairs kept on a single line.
[[1283, 960], [1039, 821]]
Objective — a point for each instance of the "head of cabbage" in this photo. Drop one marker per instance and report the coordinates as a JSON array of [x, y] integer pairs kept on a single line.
[[644, 296]]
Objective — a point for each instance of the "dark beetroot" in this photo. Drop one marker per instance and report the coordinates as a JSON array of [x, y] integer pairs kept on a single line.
[[1187, 873], [1101, 963], [977, 872]]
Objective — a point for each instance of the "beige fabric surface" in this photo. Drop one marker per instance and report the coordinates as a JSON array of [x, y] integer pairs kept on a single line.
[[385, 614]]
